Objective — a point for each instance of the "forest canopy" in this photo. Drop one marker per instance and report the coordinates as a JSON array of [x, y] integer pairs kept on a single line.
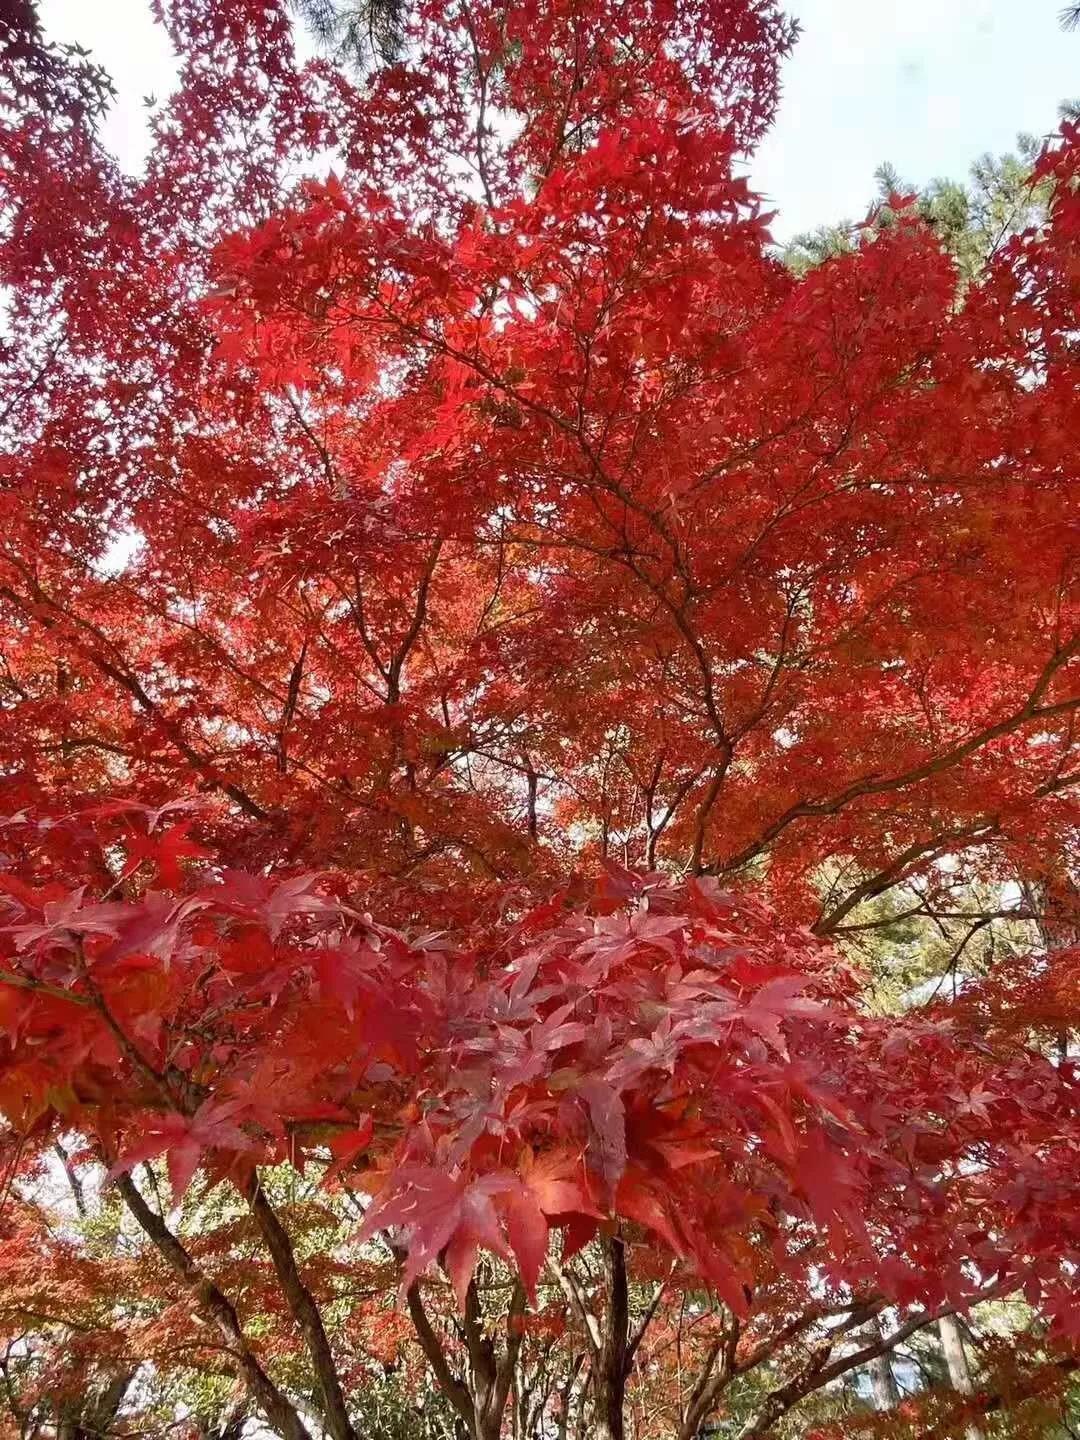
[[538, 830]]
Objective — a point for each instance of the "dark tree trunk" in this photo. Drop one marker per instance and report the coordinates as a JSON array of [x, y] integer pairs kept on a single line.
[[612, 1364]]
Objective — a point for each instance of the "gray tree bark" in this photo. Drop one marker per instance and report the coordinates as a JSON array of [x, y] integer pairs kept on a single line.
[[956, 1362]]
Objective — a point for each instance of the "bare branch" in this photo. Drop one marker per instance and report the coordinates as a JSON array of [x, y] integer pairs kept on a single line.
[[279, 1411]]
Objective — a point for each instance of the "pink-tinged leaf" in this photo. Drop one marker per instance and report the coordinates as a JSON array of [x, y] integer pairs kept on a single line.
[[830, 1182], [182, 1160], [183, 1141], [556, 1032], [607, 1132], [64, 922], [346, 1145], [477, 1224], [271, 902], [161, 1133], [342, 973], [153, 927], [775, 1002], [784, 1127], [527, 1230], [577, 1233], [440, 1212]]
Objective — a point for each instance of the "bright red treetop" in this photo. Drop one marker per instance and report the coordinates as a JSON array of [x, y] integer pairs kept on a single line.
[[503, 488]]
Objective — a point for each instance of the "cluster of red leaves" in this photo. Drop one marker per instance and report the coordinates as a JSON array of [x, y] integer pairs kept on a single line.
[[670, 1055]]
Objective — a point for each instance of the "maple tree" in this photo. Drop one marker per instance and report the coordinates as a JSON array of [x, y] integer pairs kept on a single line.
[[386, 548]]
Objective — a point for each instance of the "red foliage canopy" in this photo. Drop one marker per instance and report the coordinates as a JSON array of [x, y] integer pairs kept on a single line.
[[670, 1055], [503, 488], [410, 537]]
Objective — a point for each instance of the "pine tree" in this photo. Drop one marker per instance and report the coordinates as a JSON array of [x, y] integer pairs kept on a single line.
[[973, 220], [359, 32]]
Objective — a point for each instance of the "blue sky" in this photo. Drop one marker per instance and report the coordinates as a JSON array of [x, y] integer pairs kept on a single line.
[[927, 84]]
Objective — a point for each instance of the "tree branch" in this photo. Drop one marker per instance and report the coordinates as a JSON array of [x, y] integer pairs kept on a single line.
[[303, 1308], [279, 1411], [1030, 712], [455, 1389]]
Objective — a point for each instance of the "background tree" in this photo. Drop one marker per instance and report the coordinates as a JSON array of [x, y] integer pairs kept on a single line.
[[1001, 200], [359, 34]]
